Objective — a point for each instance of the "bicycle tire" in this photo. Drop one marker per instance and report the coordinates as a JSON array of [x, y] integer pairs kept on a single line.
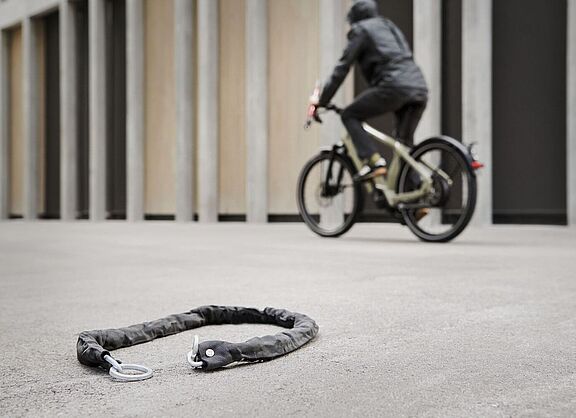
[[307, 217], [419, 151]]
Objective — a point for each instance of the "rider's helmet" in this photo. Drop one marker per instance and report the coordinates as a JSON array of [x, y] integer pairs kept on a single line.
[[362, 9]]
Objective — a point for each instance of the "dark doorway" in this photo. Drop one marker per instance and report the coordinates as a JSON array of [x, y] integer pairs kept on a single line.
[[452, 68], [83, 111], [529, 137], [452, 89], [116, 108], [52, 117], [401, 13]]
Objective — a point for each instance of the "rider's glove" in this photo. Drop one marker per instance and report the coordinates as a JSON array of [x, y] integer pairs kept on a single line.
[[315, 114]]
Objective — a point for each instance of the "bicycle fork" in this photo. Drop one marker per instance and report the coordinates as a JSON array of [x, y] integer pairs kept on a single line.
[[329, 190]]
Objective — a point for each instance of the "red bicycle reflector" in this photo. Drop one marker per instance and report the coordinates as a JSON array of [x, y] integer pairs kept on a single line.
[[477, 164]]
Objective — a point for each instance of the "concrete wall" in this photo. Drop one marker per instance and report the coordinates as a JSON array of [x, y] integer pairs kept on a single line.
[[294, 56], [16, 132], [232, 152], [12, 11], [294, 68], [160, 109]]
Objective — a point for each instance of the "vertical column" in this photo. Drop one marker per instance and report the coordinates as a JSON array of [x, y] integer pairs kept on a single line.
[[332, 43], [428, 54], [208, 110], [427, 23], [348, 87], [31, 115], [97, 81], [257, 110], [184, 57], [4, 123], [571, 113], [68, 113], [135, 109], [477, 95]]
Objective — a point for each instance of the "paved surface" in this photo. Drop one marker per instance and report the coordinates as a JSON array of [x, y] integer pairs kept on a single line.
[[485, 326]]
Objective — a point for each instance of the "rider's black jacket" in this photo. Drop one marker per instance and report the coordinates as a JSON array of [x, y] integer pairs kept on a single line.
[[382, 52]]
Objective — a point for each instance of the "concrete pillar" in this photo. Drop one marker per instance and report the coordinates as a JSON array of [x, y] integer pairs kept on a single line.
[[184, 56], [427, 23], [208, 109], [135, 109], [571, 113], [30, 118], [428, 54], [477, 95], [68, 113], [97, 41], [332, 43], [4, 125], [257, 110]]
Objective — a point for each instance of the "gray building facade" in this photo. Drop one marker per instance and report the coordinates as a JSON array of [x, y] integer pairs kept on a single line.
[[192, 109]]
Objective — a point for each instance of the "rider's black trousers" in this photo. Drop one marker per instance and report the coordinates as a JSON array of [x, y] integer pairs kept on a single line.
[[408, 108]]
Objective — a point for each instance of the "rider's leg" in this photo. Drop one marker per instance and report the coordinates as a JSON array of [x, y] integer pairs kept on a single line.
[[372, 102], [407, 120]]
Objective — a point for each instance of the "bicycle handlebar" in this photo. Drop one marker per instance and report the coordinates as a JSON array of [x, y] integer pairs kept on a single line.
[[334, 108]]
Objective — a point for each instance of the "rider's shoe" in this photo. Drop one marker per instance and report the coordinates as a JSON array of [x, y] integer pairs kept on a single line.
[[373, 169]]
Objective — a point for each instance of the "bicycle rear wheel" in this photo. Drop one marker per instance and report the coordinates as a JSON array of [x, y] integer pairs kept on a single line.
[[328, 198], [443, 214]]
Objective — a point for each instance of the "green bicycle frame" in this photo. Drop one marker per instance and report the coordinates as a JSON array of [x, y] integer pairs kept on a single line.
[[400, 153]]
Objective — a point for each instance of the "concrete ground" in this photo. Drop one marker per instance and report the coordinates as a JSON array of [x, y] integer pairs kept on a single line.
[[484, 326]]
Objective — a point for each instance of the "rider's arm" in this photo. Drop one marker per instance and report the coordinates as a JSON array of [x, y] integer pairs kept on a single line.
[[356, 42]]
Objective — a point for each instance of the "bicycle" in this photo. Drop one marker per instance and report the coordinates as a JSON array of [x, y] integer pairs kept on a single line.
[[436, 176]]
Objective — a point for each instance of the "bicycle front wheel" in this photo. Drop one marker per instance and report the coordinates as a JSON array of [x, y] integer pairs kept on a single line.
[[328, 198], [444, 213]]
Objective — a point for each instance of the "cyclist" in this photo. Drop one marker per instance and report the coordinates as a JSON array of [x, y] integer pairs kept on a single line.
[[396, 82]]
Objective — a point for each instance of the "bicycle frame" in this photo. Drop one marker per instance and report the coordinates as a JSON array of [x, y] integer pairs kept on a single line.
[[400, 153], [416, 179]]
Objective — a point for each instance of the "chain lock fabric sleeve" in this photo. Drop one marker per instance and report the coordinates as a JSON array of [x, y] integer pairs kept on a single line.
[[92, 346]]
